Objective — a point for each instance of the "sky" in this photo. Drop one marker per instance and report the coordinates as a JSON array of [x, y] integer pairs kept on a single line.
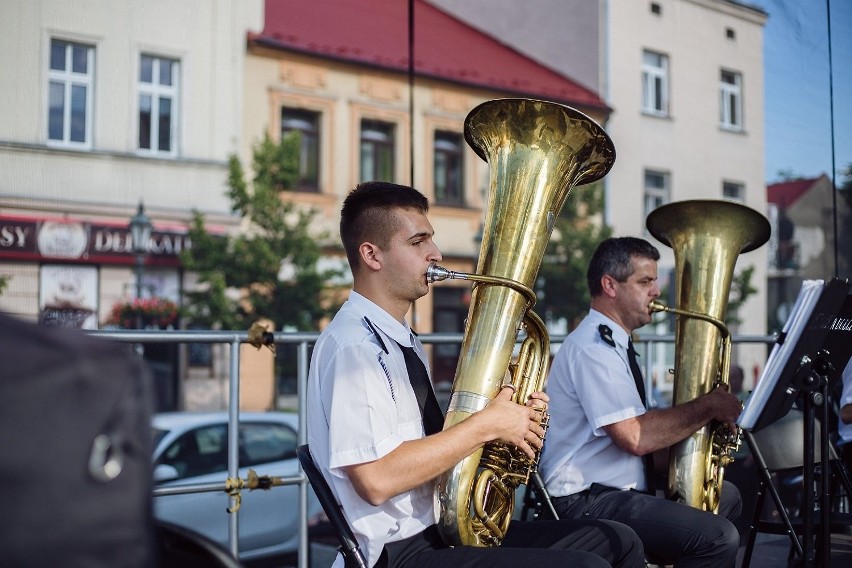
[[799, 84]]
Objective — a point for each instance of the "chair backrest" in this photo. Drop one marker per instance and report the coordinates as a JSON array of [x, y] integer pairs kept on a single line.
[[348, 543], [782, 442]]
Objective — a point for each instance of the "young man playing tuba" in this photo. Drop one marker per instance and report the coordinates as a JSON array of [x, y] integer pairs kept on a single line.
[[367, 435]]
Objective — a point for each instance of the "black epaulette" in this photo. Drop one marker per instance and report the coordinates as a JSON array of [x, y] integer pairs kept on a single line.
[[606, 334], [377, 334]]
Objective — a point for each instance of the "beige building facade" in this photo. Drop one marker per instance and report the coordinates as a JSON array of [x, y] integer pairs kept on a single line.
[[342, 98], [685, 81]]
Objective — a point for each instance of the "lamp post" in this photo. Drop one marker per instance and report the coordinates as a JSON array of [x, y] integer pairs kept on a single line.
[[140, 234]]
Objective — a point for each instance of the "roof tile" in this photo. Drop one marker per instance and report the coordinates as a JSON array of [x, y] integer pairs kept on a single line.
[[376, 33]]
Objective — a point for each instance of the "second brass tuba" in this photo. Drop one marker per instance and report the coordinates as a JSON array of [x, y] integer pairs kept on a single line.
[[537, 152], [706, 236]]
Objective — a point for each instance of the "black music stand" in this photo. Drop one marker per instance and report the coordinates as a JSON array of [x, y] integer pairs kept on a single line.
[[805, 364]]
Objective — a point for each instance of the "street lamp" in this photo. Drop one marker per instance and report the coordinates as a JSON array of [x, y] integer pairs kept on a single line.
[[140, 234]]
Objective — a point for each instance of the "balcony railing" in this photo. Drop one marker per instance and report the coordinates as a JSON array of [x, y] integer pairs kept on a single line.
[[303, 342]]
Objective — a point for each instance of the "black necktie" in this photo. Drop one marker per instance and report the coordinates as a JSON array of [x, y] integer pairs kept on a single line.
[[433, 418], [637, 372], [647, 459]]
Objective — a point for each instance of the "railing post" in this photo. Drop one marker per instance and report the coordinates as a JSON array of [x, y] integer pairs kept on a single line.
[[302, 397], [233, 444]]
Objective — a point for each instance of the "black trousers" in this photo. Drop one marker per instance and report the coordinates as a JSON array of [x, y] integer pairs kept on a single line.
[[846, 456], [672, 533], [552, 544]]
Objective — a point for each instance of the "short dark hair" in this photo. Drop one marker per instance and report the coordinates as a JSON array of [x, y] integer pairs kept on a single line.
[[365, 216], [613, 258]]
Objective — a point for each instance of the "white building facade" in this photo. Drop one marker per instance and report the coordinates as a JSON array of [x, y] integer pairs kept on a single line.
[[111, 104]]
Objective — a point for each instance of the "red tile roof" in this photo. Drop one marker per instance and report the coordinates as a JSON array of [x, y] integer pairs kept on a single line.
[[786, 193], [375, 33]]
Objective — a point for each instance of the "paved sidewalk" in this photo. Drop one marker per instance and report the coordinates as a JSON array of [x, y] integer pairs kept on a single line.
[[771, 551]]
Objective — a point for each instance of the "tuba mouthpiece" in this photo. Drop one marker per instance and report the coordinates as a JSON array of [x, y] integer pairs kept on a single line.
[[437, 273]]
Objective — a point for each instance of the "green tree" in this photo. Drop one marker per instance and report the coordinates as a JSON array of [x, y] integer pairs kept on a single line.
[[845, 188], [269, 270], [741, 289], [787, 174], [4, 281], [562, 288]]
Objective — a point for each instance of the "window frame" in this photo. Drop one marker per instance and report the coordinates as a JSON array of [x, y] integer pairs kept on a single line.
[[310, 143], [731, 101], [448, 163], [382, 150], [157, 92], [69, 79], [654, 196], [740, 191], [655, 84]]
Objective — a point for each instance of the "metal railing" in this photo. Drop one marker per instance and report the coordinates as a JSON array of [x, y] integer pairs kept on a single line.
[[303, 342]]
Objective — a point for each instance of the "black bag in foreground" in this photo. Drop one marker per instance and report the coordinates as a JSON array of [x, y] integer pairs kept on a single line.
[[75, 451]]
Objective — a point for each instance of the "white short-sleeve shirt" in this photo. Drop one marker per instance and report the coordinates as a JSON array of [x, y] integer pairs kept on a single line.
[[844, 430], [590, 386], [360, 407]]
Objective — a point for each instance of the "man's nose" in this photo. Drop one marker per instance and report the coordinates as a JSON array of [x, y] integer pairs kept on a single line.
[[436, 255]]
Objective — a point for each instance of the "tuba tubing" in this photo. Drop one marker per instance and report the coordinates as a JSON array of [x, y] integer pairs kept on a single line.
[[537, 152], [706, 237]]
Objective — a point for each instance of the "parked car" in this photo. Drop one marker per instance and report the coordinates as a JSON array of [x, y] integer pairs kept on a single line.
[[191, 448]]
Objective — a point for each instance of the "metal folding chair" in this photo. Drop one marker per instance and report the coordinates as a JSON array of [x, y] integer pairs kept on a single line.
[[352, 554]]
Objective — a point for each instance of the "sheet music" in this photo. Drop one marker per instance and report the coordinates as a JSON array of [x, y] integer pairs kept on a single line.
[[793, 328]]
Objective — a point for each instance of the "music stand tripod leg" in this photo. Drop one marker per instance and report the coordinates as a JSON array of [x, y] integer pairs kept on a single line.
[[763, 471]]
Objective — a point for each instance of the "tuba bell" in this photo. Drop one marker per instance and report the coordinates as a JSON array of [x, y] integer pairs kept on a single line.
[[706, 237], [537, 152]]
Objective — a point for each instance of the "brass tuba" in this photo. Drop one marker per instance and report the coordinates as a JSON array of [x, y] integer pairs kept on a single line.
[[706, 237], [537, 152]]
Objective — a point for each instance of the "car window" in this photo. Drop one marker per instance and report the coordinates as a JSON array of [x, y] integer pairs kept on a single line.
[[198, 452], [157, 434], [266, 442]]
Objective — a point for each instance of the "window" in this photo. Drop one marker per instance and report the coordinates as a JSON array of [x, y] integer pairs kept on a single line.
[[306, 123], [377, 142], [158, 95], [198, 452], [264, 442], [733, 191], [204, 450], [71, 78], [731, 105], [656, 190], [448, 168], [450, 307], [655, 83]]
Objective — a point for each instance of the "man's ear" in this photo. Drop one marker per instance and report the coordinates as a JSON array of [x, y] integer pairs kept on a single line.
[[608, 285], [371, 255]]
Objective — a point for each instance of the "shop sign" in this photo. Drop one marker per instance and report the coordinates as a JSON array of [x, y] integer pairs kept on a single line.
[[68, 296], [65, 239]]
